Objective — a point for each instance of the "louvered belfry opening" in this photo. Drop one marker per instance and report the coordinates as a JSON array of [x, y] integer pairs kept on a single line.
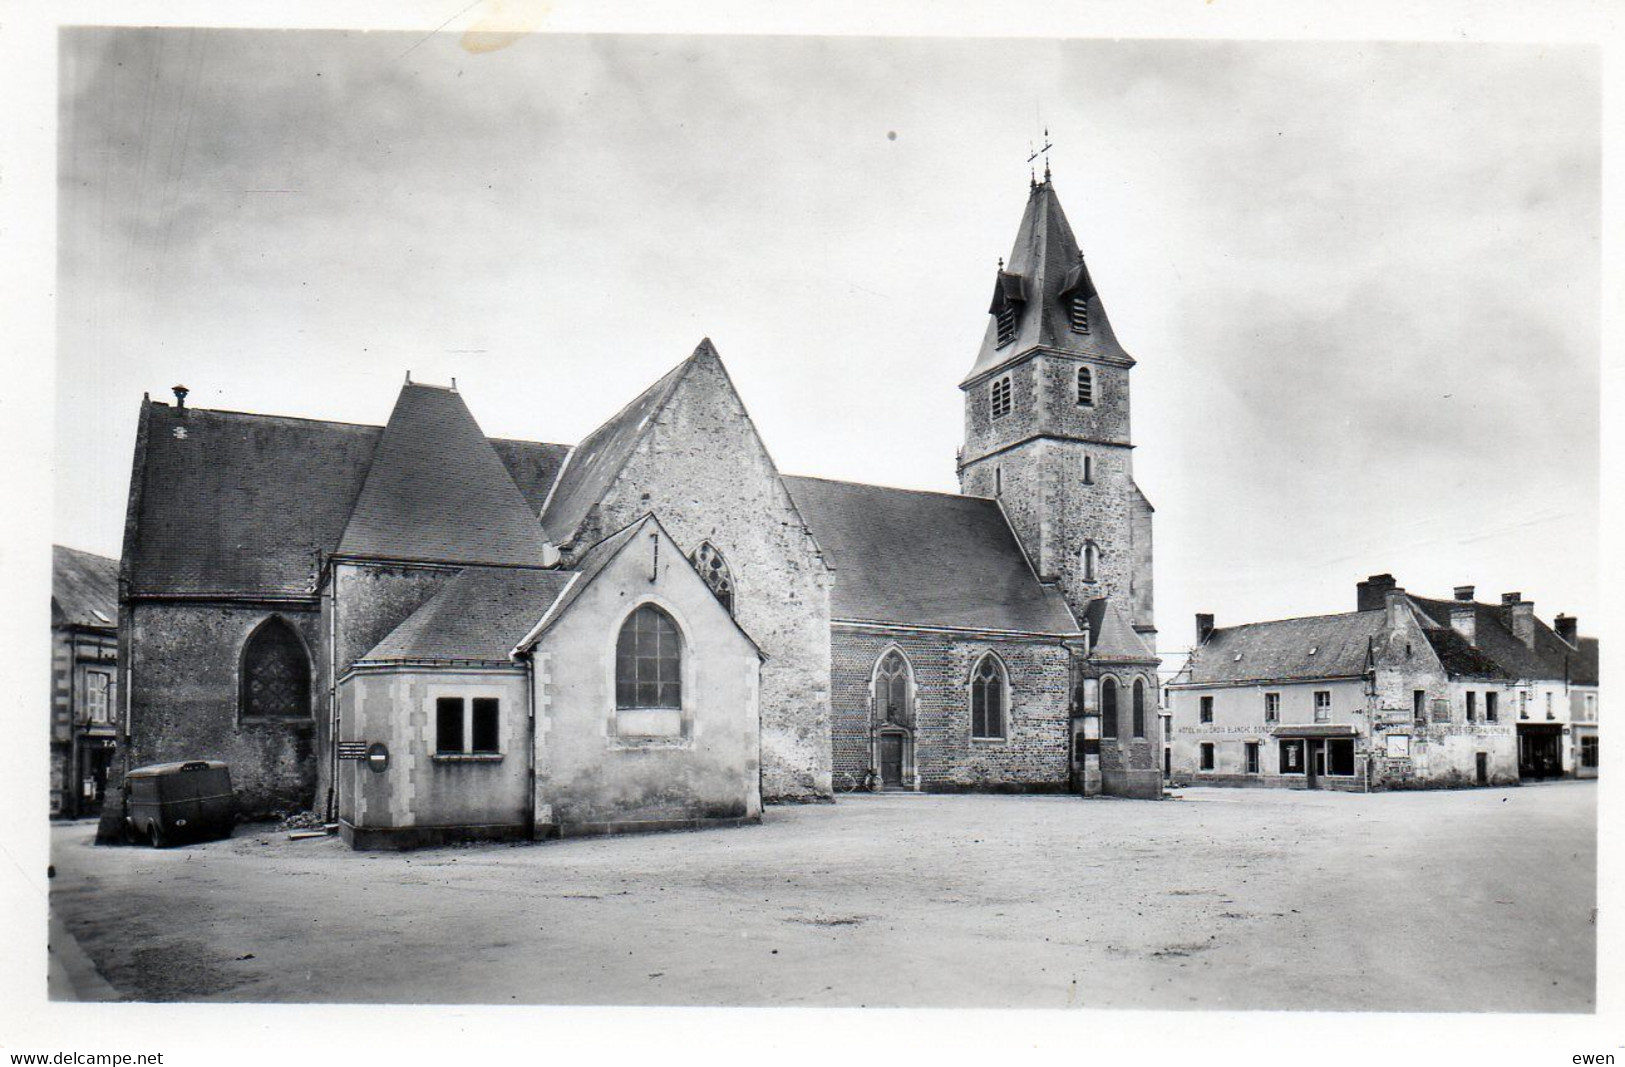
[[275, 674]]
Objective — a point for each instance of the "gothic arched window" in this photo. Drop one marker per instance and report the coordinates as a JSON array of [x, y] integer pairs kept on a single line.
[[987, 698], [894, 699], [275, 680], [1086, 387], [649, 661], [1139, 707], [1108, 708], [714, 569]]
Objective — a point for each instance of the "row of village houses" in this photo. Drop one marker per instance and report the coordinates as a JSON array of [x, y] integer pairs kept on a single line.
[[1402, 692]]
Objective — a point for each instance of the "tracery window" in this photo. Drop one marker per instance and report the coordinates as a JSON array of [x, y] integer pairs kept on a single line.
[[893, 702], [987, 698], [275, 681], [714, 569]]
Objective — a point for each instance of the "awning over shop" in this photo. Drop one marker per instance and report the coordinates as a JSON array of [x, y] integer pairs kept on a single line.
[[1319, 729]]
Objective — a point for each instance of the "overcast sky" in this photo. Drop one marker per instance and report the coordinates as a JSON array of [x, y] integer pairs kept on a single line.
[[1361, 280]]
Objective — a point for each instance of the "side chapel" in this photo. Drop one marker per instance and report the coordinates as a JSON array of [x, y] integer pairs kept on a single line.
[[428, 633]]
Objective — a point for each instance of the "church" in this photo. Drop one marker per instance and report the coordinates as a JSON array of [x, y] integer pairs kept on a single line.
[[430, 634]]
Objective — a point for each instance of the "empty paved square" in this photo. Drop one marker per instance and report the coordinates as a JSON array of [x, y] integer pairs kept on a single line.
[[1478, 900]]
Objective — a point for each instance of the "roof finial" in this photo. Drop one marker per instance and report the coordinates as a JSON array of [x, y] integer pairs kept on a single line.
[[1043, 150], [408, 377], [1001, 264]]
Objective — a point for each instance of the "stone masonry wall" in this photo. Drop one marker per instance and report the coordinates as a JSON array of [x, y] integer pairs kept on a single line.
[[184, 693], [1034, 756], [704, 471]]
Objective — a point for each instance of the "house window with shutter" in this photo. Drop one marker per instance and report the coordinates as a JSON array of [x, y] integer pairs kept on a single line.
[[1323, 706]]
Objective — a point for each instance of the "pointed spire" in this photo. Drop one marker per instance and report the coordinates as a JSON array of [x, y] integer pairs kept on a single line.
[[1044, 274]]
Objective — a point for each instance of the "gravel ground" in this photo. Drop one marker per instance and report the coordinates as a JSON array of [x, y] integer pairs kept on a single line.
[[1479, 900]]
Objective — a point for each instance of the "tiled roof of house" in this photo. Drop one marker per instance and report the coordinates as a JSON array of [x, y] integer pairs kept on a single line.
[[84, 589], [595, 463], [1550, 658], [437, 491], [926, 559], [1318, 646], [1460, 659], [1583, 668], [1045, 269], [230, 502], [477, 616]]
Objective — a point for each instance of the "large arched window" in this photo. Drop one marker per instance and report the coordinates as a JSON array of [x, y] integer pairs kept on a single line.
[[714, 569], [275, 680], [894, 699], [1139, 707], [987, 698], [649, 661], [1108, 708]]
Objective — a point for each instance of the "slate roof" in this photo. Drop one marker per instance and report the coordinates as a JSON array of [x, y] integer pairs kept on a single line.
[[437, 491], [1111, 636], [1318, 646], [595, 463], [84, 589], [534, 465], [227, 502], [477, 616], [1045, 267], [927, 559], [1551, 658], [1583, 667], [247, 504]]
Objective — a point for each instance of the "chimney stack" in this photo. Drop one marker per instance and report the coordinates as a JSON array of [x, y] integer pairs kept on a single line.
[[1372, 593], [1464, 615], [180, 395], [1393, 600], [1519, 616], [1568, 628], [1204, 627]]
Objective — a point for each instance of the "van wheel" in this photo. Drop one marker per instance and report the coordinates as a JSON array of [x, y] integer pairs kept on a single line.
[[156, 836]]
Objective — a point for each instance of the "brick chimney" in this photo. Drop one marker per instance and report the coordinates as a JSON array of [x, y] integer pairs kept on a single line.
[[1370, 594], [1204, 627], [1568, 628], [1464, 615], [1519, 616]]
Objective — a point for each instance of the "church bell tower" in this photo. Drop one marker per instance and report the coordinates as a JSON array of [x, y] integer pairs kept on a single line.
[[1047, 423]]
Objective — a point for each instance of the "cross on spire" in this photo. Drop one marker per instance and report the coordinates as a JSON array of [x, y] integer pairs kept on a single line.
[[1041, 150]]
